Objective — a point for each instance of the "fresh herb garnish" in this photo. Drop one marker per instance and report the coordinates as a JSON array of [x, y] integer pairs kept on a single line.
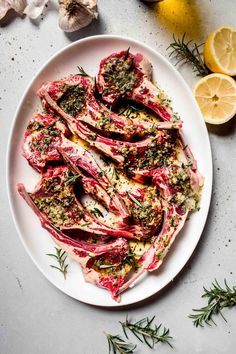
[[81, 71], [118, 346], [130, 109], [147, 333], [86, 224], [218, 298], [71, 179], [188, 52], [119, 75], [61, 258], [134, 200], [96, 212], [92, 136], [115, 174], [72, 101], [127, 54]]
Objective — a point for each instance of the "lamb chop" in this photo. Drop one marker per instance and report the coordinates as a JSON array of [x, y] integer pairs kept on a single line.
[[42, 137], [127, 75], [138, 158], [143, 203], [153, 257], [179, 185], [45, 141], [73, 99], [80, 159], [54, 197], [93, 257]]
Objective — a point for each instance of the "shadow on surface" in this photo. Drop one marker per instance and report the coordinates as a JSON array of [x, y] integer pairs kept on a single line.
[[9, 18], [225, 129], [96, 27]]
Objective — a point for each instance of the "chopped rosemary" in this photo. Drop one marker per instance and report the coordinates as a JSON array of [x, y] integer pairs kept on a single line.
[[130, 109], [127, 53], [218, 298], [118, 346], [115, 174], [61, 258], [144, 331], [188, 52], [96, 212], [81, 71], [86, 224], [134, 199], [71, 179]]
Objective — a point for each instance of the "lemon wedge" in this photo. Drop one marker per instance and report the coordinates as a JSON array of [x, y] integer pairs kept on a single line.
[[220, 51], [216, 97]]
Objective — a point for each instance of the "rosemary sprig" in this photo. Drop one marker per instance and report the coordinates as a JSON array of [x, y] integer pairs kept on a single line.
[[81, 71], [71, 179], [218, 298], [127, 53], [144, 331], [118, 345], [86, 224], [96, 212], [61, 258], [130, 109], [134, 199], [188, 52]]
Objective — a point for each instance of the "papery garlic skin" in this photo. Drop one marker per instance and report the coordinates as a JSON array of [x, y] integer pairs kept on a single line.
[[35, 8], [17, 5], [76, 14]]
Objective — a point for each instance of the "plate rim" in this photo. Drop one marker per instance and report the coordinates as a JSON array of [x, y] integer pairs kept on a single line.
[[9, 149]]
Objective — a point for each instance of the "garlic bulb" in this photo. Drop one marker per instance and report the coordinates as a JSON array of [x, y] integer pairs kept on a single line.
[[17, 5], [35, 8], [76, 14]]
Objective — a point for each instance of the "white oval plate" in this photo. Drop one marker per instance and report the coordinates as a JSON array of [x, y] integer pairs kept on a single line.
[[88, 53]]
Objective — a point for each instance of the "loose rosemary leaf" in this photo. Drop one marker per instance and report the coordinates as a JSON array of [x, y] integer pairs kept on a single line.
[[147, 332], [96, 212], [134, 200], [188, 52], [81, 71], [218, 298], [60, 256], [71, 179], [117, 345]]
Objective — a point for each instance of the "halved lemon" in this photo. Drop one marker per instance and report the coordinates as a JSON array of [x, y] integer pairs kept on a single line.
[[216, 97], [220, 51]]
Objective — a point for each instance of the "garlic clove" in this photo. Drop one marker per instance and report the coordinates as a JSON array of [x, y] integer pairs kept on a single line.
[[4, 7], [76, 14], [17, 5], [35, 8]]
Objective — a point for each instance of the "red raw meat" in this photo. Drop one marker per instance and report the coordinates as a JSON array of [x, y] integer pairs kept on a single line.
[[55, 198], [127, 75], [129, 155], [73, 99], [42, 137]]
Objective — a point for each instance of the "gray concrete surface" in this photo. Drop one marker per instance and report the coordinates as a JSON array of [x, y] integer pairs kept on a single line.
[[37, 318]]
